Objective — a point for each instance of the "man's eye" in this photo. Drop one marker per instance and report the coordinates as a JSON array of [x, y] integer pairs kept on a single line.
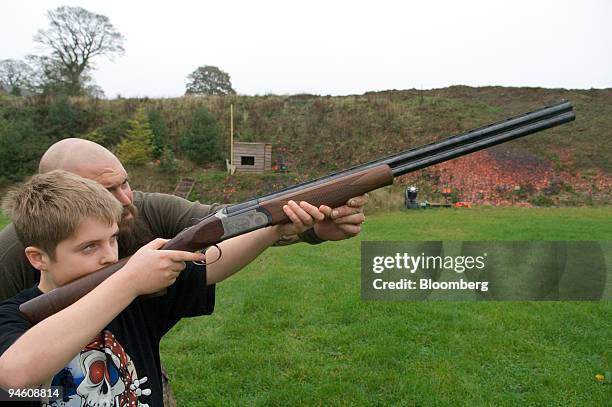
[[89, 247]]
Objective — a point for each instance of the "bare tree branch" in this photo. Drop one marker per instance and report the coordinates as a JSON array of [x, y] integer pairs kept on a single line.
[[76, 36], [16, 76]]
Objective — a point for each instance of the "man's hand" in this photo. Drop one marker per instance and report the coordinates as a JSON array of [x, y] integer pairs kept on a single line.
[[343, 222], [339, 223]]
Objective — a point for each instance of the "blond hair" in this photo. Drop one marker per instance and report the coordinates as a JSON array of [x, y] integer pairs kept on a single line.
[[49, 208]]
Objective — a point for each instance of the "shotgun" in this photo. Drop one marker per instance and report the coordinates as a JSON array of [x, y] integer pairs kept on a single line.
[[332, 190]]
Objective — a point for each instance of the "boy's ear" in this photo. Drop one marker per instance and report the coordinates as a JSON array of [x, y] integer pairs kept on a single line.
[[38, 258]]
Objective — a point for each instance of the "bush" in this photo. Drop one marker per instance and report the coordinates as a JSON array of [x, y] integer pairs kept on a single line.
[[96, 136], [64, 119], [168, 164], [541, 200], [136, 147], [20, 149], [246, 137], [200, 142], [113, 132], [160, 133]]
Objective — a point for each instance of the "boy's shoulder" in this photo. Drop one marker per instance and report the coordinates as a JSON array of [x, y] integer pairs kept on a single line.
[[9, 308], [18, 299], [12, 322]]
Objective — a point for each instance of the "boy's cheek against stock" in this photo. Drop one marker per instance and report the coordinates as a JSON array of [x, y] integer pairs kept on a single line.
[[73, 260]]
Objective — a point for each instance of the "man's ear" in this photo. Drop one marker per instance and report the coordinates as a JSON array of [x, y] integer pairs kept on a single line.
[[38, 258]]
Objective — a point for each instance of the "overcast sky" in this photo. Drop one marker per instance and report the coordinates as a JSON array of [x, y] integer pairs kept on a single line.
[[340, 47]]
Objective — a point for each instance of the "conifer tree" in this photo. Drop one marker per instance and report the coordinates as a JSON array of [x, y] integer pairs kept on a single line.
[[200, 142], [136, 147]]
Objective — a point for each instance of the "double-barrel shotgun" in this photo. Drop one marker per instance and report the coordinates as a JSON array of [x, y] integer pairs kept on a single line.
[[332, 190]]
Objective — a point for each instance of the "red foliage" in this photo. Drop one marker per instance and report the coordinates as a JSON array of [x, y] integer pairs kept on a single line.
[[490, 177]]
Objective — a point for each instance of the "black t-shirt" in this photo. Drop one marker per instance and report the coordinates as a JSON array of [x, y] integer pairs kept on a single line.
[[121, 365]]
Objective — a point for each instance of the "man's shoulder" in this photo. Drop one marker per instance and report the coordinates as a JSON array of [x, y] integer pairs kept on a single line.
[[167, 214], [16, 272], [141, 197], [8, 240], [158, 200]]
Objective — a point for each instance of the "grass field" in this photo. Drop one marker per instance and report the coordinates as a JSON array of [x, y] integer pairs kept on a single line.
[[291, 329]]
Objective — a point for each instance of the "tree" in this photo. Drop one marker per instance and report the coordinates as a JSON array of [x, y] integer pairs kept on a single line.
[[48, 75], [21, 145], [209, 80], [168, 164], [63, 119], [200, 142], [136, 147], [16, 76], [75, 37], [50, 78], [160, 132]]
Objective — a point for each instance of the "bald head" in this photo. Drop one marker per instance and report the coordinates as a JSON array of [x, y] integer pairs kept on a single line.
[[76, 155], [92, 161]]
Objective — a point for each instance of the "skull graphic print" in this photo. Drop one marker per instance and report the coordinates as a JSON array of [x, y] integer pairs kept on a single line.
[[102, 374]]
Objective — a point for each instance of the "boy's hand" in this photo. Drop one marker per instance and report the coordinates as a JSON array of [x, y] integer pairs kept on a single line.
[[152, 270]]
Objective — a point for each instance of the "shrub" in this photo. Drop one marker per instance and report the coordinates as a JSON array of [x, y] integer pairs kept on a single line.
[[541, 200], [136, 147], [200, 142], [96, 136], [246, 136], [168, 164], [64, 119], [21, 147], [114, 131], [160, 133]]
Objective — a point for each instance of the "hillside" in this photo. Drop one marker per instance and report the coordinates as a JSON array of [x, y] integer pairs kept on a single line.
[[567, 165]]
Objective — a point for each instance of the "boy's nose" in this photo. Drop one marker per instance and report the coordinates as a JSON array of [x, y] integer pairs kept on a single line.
[[109, 256]]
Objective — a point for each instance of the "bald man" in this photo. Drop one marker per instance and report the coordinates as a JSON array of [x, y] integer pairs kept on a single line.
[[150, 215]]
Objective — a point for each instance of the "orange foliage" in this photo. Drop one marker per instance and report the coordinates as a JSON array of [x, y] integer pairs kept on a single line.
[[490, 177]]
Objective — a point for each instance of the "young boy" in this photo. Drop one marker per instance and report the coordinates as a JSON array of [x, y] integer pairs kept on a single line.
[[68, 226]]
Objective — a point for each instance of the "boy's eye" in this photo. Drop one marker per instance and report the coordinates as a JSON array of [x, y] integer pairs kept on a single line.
[[89, 247]]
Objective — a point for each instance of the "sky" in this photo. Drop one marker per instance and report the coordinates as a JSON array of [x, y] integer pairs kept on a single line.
[[336, 47]]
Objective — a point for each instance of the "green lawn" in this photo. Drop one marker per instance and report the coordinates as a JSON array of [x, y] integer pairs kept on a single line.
[[291, 329]]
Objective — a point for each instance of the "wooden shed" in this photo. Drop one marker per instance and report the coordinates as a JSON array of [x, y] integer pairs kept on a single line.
[[252, 157]]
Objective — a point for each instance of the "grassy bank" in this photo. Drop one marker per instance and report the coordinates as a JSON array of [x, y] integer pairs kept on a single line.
[[291, 328], [316, 135]]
